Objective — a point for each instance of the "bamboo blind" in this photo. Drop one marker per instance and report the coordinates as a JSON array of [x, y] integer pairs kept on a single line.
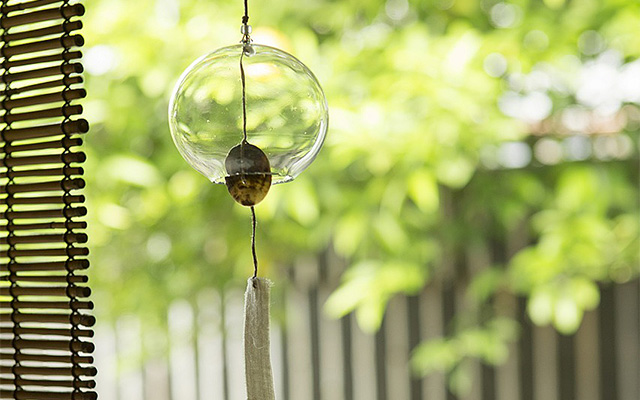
[[44, 325]]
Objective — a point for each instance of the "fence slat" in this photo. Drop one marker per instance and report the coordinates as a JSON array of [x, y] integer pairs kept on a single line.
[[448, 310], [607, 345], [182, 355], [331, 364], [285, 382], [346, 324], [433, 327], [106, 361], [314, 337], [277, 362], [545, 367], [299, 343], [586, 358], [397, 334], [156, 380], [381, 362], [364, 374], [627, 328], [525, 353], [210, 346], [507, 377], [129, 347], [234, 362], [413, 325], [566, 366]]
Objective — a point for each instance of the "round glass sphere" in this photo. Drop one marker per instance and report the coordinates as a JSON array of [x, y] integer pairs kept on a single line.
[[287, 113]]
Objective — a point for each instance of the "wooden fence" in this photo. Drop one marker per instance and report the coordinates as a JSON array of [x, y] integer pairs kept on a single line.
[[316, 358]]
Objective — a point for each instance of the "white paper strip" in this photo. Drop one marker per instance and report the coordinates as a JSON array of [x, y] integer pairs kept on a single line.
[[257, 347]]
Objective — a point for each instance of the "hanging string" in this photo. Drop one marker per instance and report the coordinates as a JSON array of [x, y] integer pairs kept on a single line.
[[245, 18], [246, 41], [259, 378], [244, 101], [253, 242]]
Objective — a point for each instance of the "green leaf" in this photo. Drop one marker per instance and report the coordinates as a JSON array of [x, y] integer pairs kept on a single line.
[[423, 190]]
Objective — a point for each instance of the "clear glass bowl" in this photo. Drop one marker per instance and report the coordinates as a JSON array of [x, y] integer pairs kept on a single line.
[[287, 113]]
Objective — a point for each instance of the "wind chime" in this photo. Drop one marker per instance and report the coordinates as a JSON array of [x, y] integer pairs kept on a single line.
[[249, 116]]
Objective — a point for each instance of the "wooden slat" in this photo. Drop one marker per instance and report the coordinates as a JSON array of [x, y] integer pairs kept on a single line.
[[413, 340], [49, 186], [43, 32], [66, 332], [587, 358], [62, 172], [67, 128], [364, 386], [55, 213], [180, 326], [49, 358], [232, 342], [89, 384], [23, 344], [209, 345], [50, 371], [64, 111], [44, 226], [64, 143], [545, 364], [59, 84], [59, 57], [25, 5], [68, 95], [607, 344], [76, 291], [627, 335], [313, 321], [64, 69], [72, 252], [49, 199], [44, 45], [66, 237], [77, 319], [566, 367], [73, 265], [432, 327], [46, 278], [67, 158], [42, 15], [49, 305], [380, 352], [331, 375], [397, 350], [34, 395]]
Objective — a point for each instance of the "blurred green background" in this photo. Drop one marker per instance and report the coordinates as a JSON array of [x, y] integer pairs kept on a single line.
[[527, 112]]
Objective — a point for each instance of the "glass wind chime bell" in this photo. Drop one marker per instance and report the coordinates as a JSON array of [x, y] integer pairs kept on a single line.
[[249, 116]]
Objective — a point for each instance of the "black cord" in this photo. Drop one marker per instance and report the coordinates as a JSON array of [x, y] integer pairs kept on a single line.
[[244, 99], [253, 242], [245, 18], [246, 40]]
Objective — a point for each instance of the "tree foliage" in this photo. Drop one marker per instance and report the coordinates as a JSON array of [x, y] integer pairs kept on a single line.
[[427, 99]]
